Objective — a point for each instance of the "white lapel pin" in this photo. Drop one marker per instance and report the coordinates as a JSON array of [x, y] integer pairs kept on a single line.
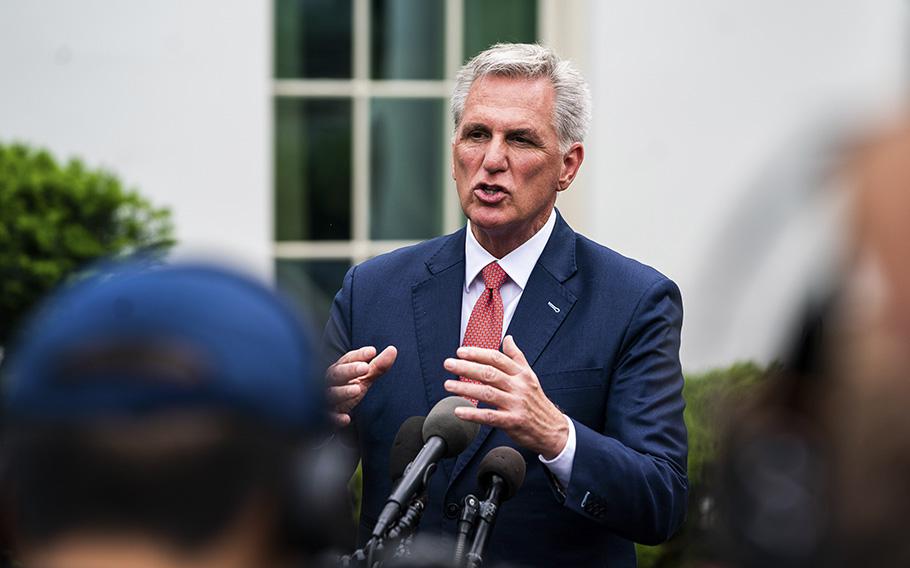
[[555, 309]]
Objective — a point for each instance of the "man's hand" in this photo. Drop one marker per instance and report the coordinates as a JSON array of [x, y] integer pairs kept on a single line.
[[351, 375], [522, 410]]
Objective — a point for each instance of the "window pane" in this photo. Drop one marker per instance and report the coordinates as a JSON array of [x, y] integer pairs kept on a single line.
[[312, 285], [312, 169], [486, 23], [406, 168], [408, 38], [313, 38]]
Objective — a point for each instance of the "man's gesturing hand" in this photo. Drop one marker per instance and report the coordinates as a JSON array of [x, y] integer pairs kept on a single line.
[[351, 375], [522, 410]]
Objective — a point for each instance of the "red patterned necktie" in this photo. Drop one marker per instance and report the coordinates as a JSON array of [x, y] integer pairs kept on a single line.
[[485, 324]]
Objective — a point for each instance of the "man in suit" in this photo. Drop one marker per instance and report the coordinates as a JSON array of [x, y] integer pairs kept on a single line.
[[587, 384]]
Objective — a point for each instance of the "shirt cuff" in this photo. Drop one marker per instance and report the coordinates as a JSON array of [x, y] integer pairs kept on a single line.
[[561, 465]]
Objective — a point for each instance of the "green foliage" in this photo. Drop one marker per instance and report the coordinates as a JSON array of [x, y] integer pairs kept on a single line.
[[711, 398], [54, 219], [356, 487]]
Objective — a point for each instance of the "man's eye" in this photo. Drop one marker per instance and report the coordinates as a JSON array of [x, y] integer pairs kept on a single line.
[[477, 135], [524, 139]]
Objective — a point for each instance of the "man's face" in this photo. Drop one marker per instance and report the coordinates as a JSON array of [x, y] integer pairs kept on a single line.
[[506, 160]]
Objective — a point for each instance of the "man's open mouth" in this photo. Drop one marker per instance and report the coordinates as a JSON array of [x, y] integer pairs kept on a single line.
[[489, 189]]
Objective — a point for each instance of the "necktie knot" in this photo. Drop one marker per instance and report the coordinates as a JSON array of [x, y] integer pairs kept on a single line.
[[493, 276]]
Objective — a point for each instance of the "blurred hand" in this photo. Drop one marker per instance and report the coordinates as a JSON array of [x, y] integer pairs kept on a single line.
[[351, 375], [507, 382]]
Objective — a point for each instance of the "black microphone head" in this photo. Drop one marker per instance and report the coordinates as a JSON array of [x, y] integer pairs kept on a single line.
[[407, 444], [442, 422], [508, 464]]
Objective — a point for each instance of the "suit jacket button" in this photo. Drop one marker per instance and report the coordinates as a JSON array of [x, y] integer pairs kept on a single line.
[[452, 510]]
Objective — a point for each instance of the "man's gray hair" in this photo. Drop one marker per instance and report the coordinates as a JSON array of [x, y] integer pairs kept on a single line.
[[572, 107]]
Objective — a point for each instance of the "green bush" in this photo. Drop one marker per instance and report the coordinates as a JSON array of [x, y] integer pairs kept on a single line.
[[710, 398], [54, 219]]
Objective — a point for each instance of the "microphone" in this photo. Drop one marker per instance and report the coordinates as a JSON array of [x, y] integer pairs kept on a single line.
[[501, 474], [445, 436], [407, 444]]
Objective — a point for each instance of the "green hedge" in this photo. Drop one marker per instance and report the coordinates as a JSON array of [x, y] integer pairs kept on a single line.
[[55, 218], [710, 397]]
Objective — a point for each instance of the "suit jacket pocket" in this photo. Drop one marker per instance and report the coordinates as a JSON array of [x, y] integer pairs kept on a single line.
[[579, 393], [572, 379]]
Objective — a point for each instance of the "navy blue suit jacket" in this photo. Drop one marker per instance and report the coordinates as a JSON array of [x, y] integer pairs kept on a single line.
[[607, 355]]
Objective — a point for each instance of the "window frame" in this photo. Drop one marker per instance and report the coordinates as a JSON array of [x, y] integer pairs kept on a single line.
[[559, 24], [361, 89]]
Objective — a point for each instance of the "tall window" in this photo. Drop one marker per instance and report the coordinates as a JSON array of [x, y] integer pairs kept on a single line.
[[362, 130]]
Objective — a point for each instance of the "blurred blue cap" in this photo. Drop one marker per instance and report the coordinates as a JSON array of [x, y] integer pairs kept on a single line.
[[141, 340]]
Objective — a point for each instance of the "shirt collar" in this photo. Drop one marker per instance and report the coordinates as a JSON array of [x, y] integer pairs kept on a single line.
[[518, 264]]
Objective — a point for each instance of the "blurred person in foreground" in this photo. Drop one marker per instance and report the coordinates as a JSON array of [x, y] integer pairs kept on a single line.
[[571, 349], [867, 415], [815, 469], [162, 418]]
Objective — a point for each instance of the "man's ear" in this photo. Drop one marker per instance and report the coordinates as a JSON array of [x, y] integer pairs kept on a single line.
[[571, 162], [452, 154]]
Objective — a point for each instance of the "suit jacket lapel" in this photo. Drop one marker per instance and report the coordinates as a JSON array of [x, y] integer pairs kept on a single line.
[[544, 305], [546, 302], [437, 316]]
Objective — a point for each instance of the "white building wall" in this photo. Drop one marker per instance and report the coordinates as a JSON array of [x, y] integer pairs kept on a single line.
[[695, 104], [172, 95]]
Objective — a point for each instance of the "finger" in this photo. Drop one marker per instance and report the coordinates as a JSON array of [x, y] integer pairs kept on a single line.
[[336, 395], [475, 391], [384, 361], [477, 371], [340, 420], [363, 354], [489, 416], [343, 373], [510, 348], [490, 357]]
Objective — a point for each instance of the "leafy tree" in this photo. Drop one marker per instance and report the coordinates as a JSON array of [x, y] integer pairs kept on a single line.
[[55, 219]]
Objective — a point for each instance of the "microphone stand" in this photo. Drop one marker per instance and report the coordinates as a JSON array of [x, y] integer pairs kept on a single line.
[[488, 510], [371, 555], [425, 462], [465, 524], [408, 522]]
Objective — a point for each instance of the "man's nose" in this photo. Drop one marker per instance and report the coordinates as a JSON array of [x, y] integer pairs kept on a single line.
[[495, 158]]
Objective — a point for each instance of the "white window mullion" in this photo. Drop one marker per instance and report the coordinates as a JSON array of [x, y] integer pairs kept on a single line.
[[360, 202], [356, 250], [454, 36], [306, 250], [322, 88], [361, 39], [451, 208], [360, 195]]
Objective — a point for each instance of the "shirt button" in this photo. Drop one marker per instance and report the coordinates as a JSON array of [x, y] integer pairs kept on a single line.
[[452, 510]]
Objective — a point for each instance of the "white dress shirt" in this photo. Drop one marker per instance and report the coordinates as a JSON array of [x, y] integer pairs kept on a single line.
[[518, 264]]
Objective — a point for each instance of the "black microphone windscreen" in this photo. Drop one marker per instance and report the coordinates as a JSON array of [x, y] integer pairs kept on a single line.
[[407, 444], [508, 464], [442, 422]]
